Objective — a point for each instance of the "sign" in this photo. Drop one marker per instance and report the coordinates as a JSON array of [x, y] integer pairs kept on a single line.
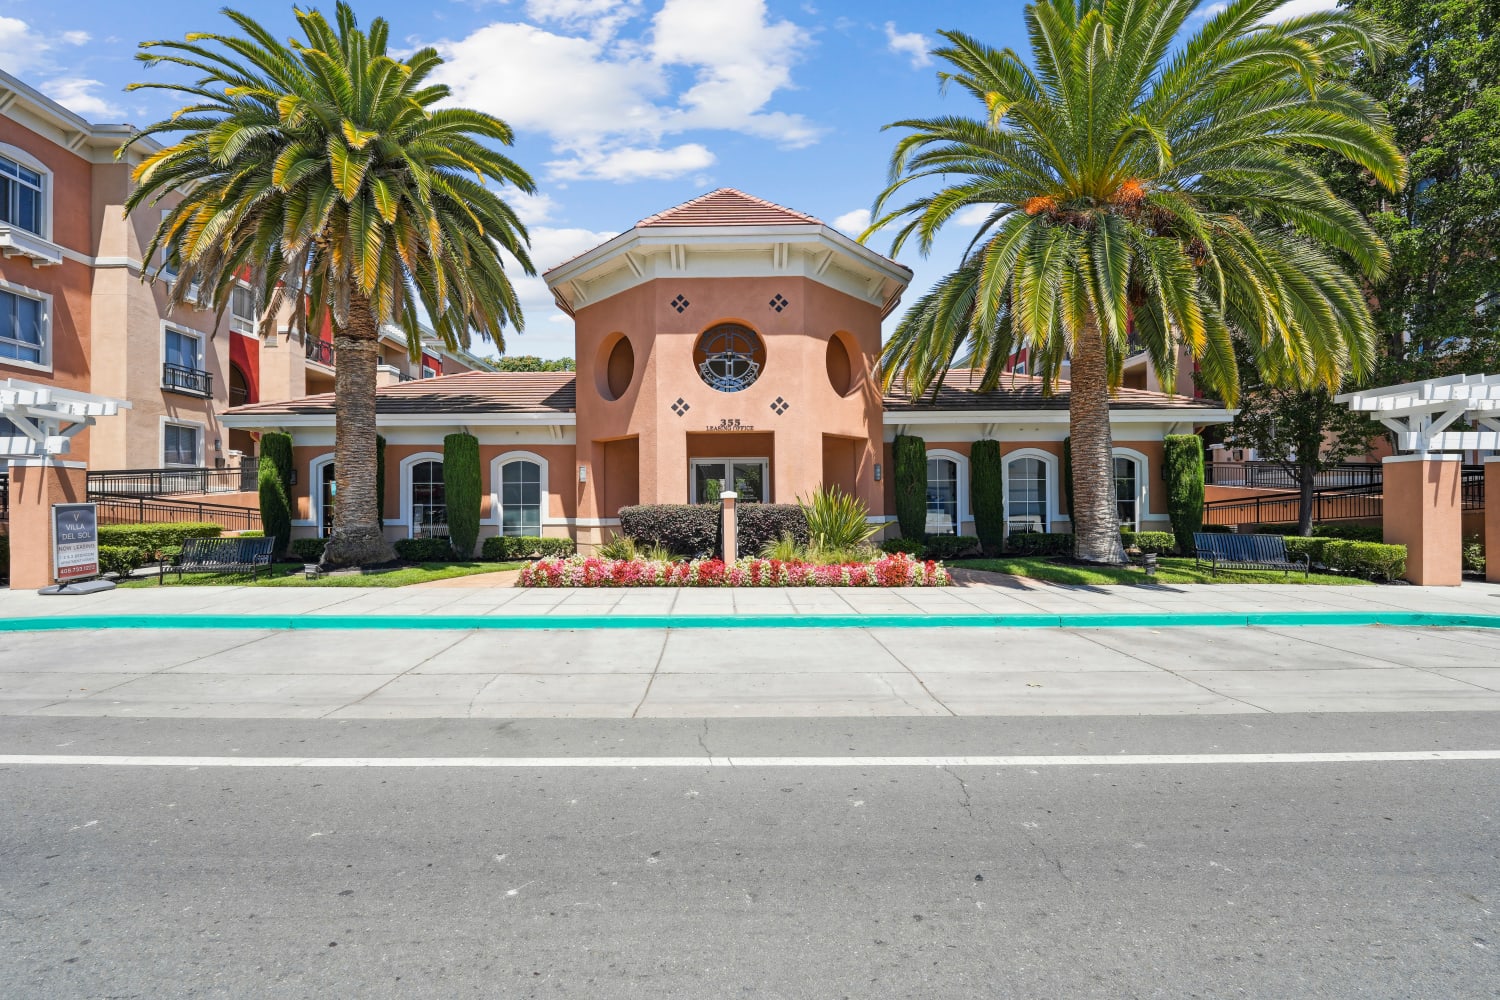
[[730, 424], [75, 541]]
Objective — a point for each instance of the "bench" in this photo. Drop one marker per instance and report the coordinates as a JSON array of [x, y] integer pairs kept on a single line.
[[1246, 552], [222, 555]]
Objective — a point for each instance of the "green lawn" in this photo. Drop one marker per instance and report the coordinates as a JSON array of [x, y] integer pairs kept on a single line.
[[290, 575], [1169, 570]]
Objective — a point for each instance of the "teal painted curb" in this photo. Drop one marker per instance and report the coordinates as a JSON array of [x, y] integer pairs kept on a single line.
[[56, 623]]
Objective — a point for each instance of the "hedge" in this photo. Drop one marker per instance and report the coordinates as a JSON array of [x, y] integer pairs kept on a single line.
[[1347, 532], [121, 560], [463, 485], [903, 546], [1184, 472], [1366, 559], [760, 523], [151, 537], [950, 546], [424, 550], [911, 485], [682, 529], [276, 450], [987, 493], [1163, 543], [1032, 543], [511, 548], [308, 550], [1297, 546], [275, 507], [1067, 476]]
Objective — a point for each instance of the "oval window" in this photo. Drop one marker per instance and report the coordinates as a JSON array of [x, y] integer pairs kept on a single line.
[[729, 357], [840, 365], [615, 367]]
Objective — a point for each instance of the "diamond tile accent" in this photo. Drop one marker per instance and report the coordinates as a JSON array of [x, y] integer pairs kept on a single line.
[[780, 406], [680, 304], [681, 406], [779, 302]]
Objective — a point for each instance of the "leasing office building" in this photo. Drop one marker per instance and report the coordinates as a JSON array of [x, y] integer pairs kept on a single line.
[[724, 343]]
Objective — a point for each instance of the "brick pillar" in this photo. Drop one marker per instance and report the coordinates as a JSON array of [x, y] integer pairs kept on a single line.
[[731, 526], [1423, 510], [1492, 519], [35, 485]]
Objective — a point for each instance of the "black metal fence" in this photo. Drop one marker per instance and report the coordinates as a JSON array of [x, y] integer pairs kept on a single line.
[[1346, 503], [1275, 476], [166, 482], [320, 351], [150, 510], [193, 381]]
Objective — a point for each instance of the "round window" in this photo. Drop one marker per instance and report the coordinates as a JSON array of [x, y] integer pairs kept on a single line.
[[729, 357]]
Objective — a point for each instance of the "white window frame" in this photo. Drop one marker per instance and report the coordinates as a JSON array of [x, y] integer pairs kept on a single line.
[[18, 155], [1054, 470], [961, 461], [1142, 483], [764, 463], [45, 365], [202, 432], [236, 324], [315, 491], [186, 331], [407, 465], [497, 465]]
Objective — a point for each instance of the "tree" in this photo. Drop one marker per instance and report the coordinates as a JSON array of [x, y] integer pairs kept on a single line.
[[462, 480], [910, 454], [1302, 430], [1144, 185], [275, 507], [530, 363], [1182, 458], [987, 494], [323, 172]]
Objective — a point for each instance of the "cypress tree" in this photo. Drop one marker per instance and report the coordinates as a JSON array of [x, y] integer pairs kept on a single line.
[[275, 508], [276, 448], [1184, 466], [986, 493], [463, 486], [911, 486]]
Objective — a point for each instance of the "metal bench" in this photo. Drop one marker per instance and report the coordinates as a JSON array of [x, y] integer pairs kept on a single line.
[[222, 555], [1246, 552]]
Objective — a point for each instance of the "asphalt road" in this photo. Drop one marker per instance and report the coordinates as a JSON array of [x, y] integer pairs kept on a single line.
[[1363, 879]]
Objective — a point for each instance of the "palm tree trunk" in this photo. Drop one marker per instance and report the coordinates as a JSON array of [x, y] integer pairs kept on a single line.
[[357, 538], [1096, 518]]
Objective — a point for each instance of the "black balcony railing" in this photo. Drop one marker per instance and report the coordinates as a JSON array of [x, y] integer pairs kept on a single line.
[[153, 510], [1336, 503], [1275, 476], [178, 378], [166, 482], [320, 351]]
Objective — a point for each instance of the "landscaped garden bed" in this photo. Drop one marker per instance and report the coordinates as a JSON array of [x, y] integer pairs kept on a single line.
[[885, 571]]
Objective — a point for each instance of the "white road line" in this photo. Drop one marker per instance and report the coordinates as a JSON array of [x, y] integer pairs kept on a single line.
[[593, 763]]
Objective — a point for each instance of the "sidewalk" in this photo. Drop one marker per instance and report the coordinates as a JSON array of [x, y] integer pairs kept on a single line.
[[754, 672]]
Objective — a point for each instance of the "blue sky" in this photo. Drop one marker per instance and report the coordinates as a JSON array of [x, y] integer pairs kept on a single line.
[[621, 107]]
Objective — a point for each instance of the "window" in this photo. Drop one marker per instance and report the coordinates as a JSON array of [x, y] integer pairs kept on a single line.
[[1026, 492], [184, 350], [521, 498], [179, 444], [20, 196], [428, 372], [1128, 492], [328, 492], [429, 501], [23, 333], [729, 357], [746, 476], [942, 496], [242, 309]]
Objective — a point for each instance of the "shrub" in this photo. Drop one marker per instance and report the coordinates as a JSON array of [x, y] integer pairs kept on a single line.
[[784, 549], [911, 485], [120, 560], [1218, 529], [1350, 532], [887, 571], [275, 509], [1033, 543], [836, 520], [255, 533], [1473, 555], [276, 450], [151, 537], [308, 550], [513, 548], [1366, 559], [987, 493], [1298, 546], [903, 546], [760, 523], [1184, 468], [464, 486], [424, 550], [950, 546], [1160, 542], [682, 529]]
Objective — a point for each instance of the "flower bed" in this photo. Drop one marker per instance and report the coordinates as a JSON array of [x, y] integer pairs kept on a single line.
[[578, 571]]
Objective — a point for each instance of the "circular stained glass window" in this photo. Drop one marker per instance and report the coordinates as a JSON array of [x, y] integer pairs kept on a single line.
[[729, 357]]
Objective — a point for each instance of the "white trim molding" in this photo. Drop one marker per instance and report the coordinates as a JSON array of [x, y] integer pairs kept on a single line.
[[498, 463], [1053, 468], [404, 518], [1142, 483], [48, 338], [315, 491], [961, 464]]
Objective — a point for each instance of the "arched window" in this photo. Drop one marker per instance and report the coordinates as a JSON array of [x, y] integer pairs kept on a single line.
[[1130, 488], [1030, 489], [942, 496], [429, 500], [520, 498]]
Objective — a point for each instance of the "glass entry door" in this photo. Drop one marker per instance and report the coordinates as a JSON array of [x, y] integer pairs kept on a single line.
[[329, 487], [746, 476]]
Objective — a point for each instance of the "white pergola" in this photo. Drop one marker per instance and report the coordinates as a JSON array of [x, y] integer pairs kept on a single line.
[[1420, 413], [47, 417]]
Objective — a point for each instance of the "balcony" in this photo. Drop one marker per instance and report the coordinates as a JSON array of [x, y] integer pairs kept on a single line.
[[320, 352], [188, 381]]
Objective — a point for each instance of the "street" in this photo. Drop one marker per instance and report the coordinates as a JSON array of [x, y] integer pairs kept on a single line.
[[1240, 879]]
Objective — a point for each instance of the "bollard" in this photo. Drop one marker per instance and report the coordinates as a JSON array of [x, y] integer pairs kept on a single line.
[[730, 524]]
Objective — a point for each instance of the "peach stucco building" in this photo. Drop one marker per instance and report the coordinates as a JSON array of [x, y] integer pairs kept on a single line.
[[724, 343]]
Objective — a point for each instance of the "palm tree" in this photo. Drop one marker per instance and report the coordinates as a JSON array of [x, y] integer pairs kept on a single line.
[[324, 174], [1142, 188]]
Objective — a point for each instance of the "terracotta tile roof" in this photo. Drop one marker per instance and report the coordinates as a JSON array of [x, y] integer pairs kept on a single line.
[[467, 392], [727, 207], [960, 391]]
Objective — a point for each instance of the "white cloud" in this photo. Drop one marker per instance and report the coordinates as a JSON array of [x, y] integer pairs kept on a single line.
[[20, 47], [911, 44], [607, 103], [76, 37], [854, 222], [1296, 8], [533, 209], [77, 95], [973, 215]]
